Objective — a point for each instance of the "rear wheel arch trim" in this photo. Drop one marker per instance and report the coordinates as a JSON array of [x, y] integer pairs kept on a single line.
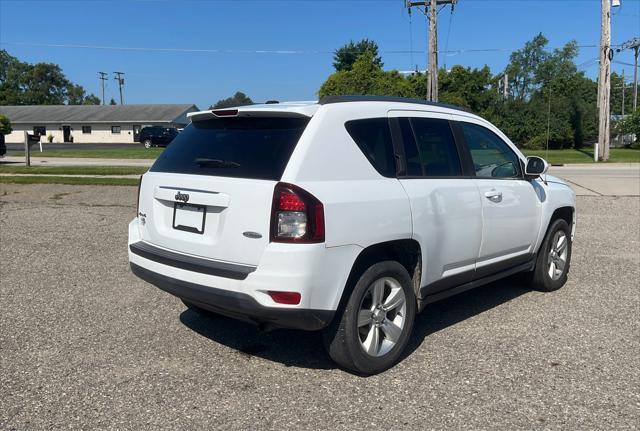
[[411, 260]]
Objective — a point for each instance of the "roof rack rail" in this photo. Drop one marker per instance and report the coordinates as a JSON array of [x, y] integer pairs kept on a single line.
[[328, 100]]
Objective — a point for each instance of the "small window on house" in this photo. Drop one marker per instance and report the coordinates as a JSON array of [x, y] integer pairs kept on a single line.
[[115, 129], [39, 130], [86, 130]]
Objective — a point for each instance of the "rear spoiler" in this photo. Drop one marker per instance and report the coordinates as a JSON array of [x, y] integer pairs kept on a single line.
[[234, 112]]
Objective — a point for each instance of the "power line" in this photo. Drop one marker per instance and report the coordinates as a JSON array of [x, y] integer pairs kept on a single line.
[[259, 51]]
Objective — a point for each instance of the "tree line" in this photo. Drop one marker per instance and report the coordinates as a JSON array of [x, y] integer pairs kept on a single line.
[[545, 89], [23, 83]]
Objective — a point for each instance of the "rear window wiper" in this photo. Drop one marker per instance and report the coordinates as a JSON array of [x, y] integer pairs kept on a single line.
[[216, 163]]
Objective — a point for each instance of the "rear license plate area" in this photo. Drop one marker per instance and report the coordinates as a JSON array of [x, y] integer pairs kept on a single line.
[[189, 217]]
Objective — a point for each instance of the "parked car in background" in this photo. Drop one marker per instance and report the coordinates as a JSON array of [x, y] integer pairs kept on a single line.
[[156, 136], [3, 146], [349, 215]]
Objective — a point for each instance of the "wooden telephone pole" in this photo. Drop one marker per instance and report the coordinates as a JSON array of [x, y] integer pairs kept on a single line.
[[635, 45], [431, 11], [604, 83]]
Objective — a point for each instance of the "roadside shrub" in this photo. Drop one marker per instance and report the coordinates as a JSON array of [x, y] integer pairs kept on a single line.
[[50, 138], [538, 142], [5, 125]]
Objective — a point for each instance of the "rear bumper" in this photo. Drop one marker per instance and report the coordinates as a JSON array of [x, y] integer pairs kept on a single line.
[[236, 304]]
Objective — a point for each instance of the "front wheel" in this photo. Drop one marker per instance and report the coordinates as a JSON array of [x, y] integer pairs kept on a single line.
[[147, 143], [377, 321], [554, 259]]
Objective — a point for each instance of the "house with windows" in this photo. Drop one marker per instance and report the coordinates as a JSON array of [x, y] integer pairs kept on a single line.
[[92, 123]]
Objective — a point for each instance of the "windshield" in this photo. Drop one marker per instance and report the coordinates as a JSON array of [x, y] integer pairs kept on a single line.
[[243, 147]]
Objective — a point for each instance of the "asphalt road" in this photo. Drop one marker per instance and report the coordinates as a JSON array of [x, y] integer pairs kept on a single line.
[[86, 345]]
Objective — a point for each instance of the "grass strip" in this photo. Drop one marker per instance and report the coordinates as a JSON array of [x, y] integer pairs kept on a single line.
[[43, 179], [107, 153], [568, 156], [74, 170]]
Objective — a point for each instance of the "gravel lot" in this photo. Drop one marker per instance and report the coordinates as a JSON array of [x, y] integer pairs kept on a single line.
[[84, 344]]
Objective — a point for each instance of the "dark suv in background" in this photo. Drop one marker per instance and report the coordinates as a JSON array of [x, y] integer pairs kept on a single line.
[[3, 147], [156, 136]]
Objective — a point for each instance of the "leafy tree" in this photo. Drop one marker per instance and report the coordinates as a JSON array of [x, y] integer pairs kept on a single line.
[[631, 124], [35, 84], [616, 95], [345, 57], [91, 99], [112, 101], [366, 77], [5, 125], [238, 99], [524, 65], [77, 96]]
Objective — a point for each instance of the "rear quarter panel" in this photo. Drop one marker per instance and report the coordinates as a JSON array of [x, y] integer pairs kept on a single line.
[[361, 206]]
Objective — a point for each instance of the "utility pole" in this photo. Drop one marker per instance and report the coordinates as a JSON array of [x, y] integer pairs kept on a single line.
[[604, 83], [635, 45], [103, 77], [623, 85], [431, 11], [120, 79]]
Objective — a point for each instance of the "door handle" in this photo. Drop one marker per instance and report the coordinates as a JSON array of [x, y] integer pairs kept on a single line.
[[493, 195]]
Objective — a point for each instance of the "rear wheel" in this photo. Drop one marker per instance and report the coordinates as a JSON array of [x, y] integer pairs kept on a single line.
[[377, 321], [147, 143], [554, 259]]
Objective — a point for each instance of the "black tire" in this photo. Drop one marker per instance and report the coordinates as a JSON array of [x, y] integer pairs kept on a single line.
[[147, 143], [540, 278], [197, 309], [343, 338]]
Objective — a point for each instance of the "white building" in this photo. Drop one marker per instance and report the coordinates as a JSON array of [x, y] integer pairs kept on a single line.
[[91, 123]]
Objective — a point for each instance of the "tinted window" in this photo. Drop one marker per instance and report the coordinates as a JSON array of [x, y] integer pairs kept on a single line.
[[438, 152], [411, 154], [86, 130], [492, 157], [115, 129], [373, 136], [257, 148]]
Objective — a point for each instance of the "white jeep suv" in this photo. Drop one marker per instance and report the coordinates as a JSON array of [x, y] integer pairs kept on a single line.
[[347, 215]]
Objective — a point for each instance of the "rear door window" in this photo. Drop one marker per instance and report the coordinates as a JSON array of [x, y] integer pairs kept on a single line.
[[437, 147], [242, 147], [373, 137]]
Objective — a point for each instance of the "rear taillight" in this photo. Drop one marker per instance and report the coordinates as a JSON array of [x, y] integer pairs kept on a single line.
[[138, 198], [296, 216]]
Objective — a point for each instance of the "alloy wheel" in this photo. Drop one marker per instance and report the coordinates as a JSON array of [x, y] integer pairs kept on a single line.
[[557, 258], [381, 316]]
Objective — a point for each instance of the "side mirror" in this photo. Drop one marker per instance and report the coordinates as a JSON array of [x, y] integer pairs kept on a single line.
[[536, 166]]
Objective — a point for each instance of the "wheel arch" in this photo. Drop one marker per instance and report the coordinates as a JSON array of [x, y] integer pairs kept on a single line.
[[405, 251]]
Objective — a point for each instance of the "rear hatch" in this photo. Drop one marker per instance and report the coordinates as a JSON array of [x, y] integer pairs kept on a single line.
[[210, 192]]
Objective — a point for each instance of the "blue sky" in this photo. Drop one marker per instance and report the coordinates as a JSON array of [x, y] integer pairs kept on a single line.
[[311, 29]]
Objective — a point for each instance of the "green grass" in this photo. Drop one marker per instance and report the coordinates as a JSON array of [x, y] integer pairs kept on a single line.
[[616, 155], [135, 152], [43, 179], [73, 170]]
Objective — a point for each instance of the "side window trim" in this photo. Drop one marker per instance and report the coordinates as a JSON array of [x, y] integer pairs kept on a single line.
[[518, 166], [463, 149], [398, 147]]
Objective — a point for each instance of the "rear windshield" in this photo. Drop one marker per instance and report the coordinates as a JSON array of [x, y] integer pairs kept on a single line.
[[243, 147]]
